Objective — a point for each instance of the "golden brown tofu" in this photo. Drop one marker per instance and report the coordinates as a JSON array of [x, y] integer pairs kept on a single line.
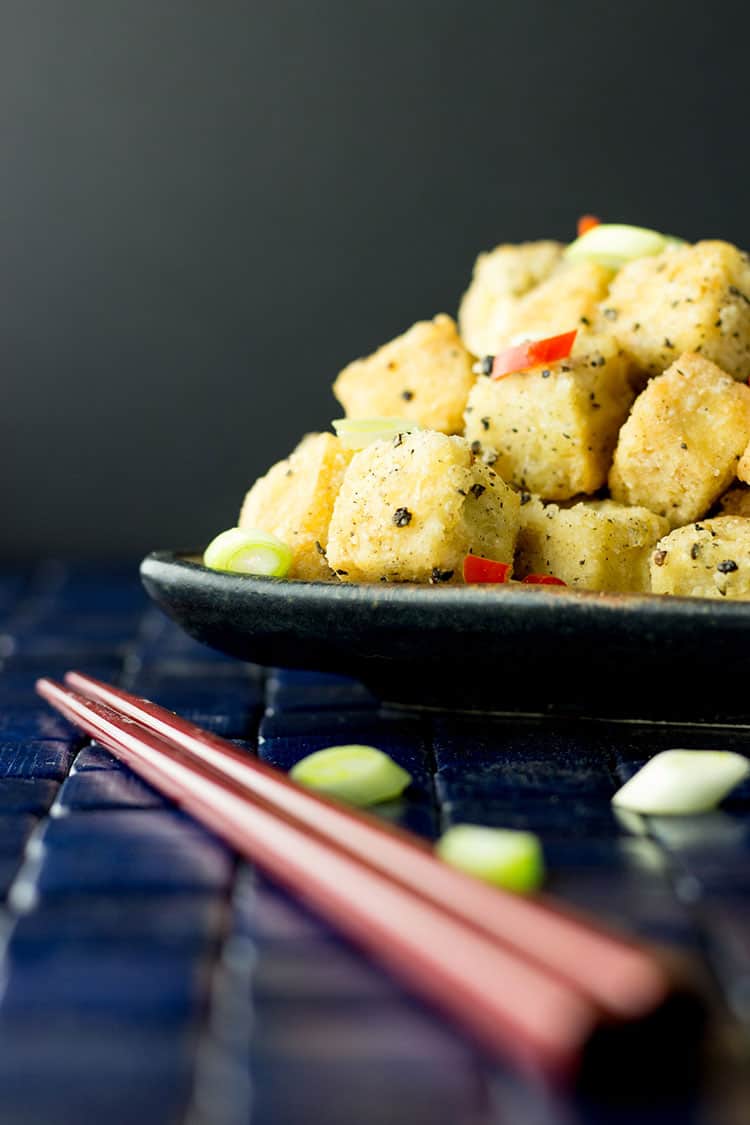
[[410, 511], [736, 502], [593, 545], [553, 429], [500, 278], [424, 375], [710, 559], [294, 501], [568, 299], [679, 449], [687, 299]]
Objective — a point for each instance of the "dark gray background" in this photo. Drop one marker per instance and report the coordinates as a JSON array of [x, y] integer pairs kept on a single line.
[[207, 208]]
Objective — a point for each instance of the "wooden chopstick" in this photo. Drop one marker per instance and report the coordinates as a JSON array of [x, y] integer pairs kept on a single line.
[[625, 980], [515, 1005]]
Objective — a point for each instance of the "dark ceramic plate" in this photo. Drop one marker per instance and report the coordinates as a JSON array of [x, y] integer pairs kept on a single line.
[[503, 648]]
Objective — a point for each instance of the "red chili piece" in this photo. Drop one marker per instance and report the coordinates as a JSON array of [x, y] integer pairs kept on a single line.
[[543, 580], [478, 569], [587, 222], [532, 354]]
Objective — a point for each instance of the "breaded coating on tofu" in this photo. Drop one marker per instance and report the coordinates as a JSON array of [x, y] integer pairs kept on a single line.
[[710, 559], [424, 375], [736, 502], [568, 299], [294, 501], [679, 449], [412, 509], [686, 299], [593, 545], [500, 278], [553, 429]]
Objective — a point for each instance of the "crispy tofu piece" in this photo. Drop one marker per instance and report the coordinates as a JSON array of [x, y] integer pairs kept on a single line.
[[743, 466], [736, 502], [593, 545], [554, 429], [294, 501], [424, 375], [679, 449], [687, 299], [411, 512], [500, 278], [710, 559], [568, 299]]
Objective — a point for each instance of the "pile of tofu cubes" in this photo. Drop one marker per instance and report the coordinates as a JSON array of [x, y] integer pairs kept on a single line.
[[620, 468]]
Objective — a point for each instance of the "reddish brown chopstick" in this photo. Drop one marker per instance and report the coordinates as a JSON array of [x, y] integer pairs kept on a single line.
[[514, 1005], [623, 979]]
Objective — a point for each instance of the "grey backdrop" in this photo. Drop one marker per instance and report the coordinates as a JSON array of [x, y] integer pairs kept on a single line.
[[208, 207]]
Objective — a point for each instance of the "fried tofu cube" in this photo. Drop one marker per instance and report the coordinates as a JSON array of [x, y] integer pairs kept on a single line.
[[736, 502], [679, 449], [294, 501], [710, 559], [592, 545], [568, 299], [410, 511], [553, 429], [686, 299], [500, 278], [424, 375]]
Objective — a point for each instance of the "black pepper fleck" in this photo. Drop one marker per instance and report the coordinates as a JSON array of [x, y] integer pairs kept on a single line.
[[407, 396], [439, 575], [476, 448], [683, 445], [525, 497], [476, 490], [485, 423], [738, 293], [727, 566], [402, 517], [485, 364], [695, 550]]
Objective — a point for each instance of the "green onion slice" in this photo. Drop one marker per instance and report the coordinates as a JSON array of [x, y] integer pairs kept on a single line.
[[359, 775], [614, 244], [502, 856], [682, 781], [248, 551], [356, 433]]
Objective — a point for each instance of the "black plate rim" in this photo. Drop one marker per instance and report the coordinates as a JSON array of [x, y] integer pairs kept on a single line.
[[654, 610]]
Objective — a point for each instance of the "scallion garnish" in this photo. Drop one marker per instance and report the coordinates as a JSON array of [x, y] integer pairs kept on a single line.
[[502, 856], [682, 781], [359, 775], [614, 244], [251, 551], [356, 433]]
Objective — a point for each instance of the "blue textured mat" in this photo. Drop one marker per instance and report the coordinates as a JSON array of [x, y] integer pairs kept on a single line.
[[151, 976]]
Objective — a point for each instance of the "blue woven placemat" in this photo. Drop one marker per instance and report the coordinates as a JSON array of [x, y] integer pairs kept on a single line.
[[149, 975]]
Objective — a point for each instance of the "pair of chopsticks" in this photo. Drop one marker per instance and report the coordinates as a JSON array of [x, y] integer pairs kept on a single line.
[[532, 983]]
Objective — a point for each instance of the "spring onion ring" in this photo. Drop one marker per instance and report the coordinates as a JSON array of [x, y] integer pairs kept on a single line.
[[358, 775], [356, 433], [614, 244], [248, 551], [679, 782], [501, 856]]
